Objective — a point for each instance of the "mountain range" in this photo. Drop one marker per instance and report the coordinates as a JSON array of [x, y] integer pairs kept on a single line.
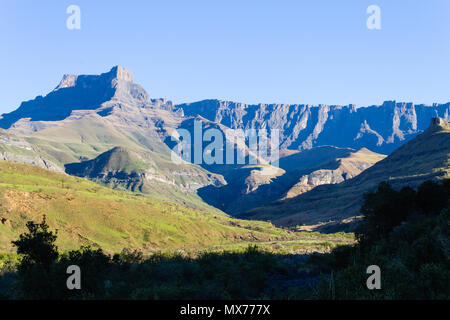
[[378, 128], [108, 129]]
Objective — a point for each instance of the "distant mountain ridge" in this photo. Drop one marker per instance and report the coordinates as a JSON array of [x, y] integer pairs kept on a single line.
[[379, 128]]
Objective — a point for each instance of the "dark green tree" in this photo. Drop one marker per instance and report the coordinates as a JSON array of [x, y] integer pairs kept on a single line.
[[38, 244], [432, 197], [383, 210], [406, 233], [39, 255]]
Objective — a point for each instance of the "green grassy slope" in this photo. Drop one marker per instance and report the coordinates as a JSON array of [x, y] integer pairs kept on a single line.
[[87, 213], [116, 160]]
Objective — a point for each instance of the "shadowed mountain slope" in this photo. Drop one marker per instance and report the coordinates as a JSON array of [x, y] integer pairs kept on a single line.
[[331, 206], [253, 186]]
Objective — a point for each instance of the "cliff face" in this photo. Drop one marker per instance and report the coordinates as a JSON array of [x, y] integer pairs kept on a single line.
[[378, 128]]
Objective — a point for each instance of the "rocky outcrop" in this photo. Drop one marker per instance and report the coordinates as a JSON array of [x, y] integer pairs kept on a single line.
[[6, 222], [16, 149], [336, 171], [35, 161]]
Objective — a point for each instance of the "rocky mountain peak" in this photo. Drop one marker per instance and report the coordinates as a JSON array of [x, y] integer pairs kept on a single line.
[[122, 73]]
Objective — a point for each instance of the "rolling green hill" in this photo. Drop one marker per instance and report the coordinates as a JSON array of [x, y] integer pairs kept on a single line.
[[115, 161], [86, 213], [127, 170]]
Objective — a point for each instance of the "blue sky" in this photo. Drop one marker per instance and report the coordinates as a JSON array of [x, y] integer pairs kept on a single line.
[[248, 50]]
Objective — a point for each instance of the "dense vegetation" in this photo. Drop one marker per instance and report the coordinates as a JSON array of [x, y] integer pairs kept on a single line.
[[41, 273], [405, 232]]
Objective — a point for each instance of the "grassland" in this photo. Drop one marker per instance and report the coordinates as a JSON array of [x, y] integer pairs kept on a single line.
[[85, 213]]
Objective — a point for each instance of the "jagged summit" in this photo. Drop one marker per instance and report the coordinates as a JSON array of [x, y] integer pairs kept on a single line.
[[68, 80]]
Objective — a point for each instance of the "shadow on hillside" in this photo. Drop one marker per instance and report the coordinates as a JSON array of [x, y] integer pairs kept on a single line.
[[247, 274]]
